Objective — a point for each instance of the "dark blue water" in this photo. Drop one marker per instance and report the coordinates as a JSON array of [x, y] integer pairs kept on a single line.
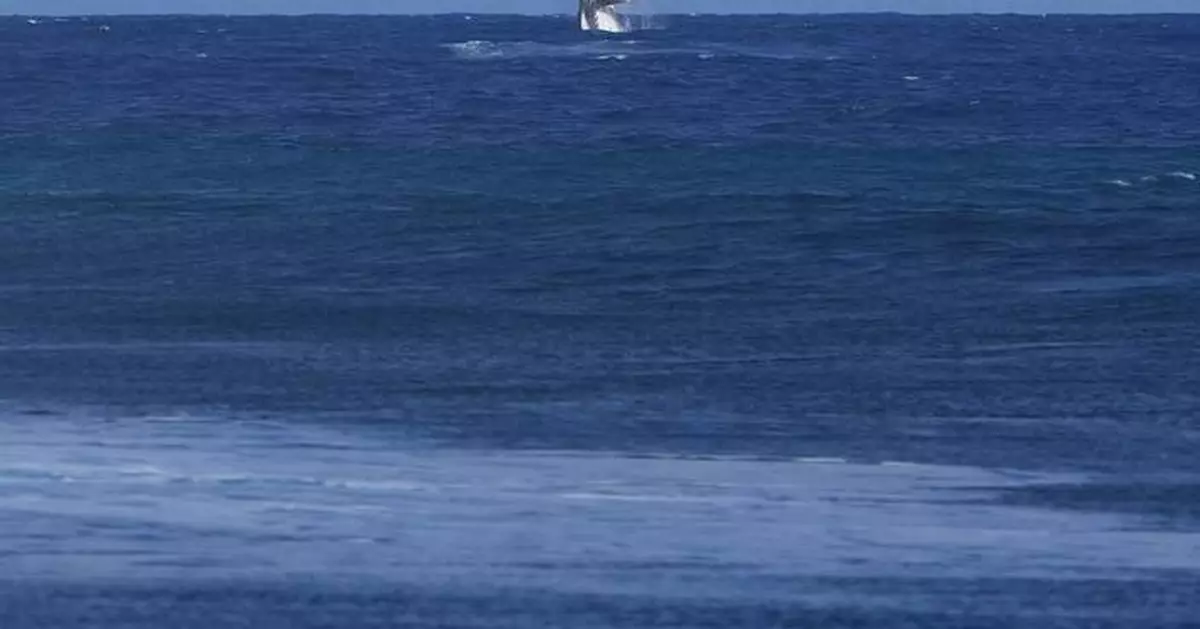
[[868, 321]]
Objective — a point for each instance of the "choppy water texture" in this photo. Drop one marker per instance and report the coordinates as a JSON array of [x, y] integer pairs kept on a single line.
[[732, 322]]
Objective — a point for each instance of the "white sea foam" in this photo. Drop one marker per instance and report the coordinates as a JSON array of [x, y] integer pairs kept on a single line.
[[217, 488], [477, 50], [1178, 175]]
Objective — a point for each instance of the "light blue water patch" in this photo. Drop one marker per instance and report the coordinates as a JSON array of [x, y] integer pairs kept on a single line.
[[197, 498]]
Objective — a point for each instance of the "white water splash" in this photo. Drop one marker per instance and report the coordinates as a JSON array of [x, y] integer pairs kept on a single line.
[[607, 22]]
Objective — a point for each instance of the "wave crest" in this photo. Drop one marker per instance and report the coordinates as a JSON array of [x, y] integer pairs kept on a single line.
[[610, 48]]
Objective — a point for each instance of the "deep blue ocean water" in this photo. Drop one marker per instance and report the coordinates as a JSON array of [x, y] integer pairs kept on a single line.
[[470, 321]]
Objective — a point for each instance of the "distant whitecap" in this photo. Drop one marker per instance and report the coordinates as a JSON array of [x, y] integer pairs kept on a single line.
[[476, 49]]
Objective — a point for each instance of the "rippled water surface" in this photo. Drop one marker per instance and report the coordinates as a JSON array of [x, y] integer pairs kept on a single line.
[[832, 322]]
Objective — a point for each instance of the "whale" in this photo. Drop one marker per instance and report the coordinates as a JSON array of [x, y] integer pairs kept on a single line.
[[601, 15]]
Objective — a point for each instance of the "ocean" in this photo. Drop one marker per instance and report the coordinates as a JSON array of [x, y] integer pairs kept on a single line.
[[481, 321]]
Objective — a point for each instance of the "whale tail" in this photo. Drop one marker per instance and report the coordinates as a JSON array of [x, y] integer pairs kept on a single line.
[[601, 15]]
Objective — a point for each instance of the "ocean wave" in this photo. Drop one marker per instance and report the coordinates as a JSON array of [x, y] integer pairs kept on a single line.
[[476, 50], [1174, 177]]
